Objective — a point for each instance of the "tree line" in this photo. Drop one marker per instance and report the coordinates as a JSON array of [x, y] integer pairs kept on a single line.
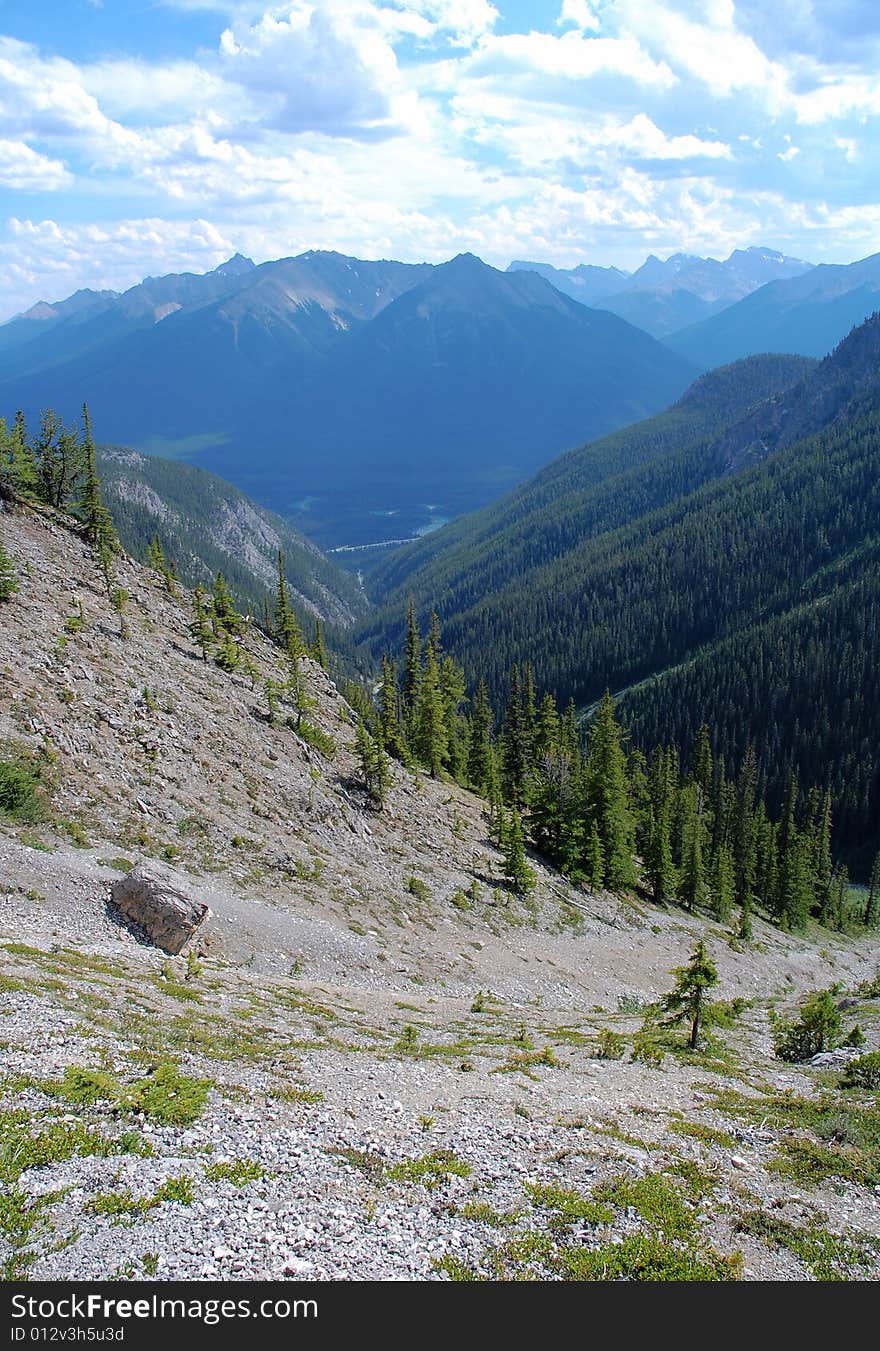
[[591, 803]]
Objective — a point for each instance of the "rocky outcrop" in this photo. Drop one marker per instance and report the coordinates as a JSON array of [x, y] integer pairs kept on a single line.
[[151, 898]]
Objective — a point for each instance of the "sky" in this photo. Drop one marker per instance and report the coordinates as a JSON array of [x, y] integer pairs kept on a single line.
[[139, 137]]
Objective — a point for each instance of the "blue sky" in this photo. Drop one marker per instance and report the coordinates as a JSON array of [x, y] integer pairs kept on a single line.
[[146, 136]]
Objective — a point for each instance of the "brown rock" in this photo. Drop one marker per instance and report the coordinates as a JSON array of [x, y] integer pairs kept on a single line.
[[151, 898]]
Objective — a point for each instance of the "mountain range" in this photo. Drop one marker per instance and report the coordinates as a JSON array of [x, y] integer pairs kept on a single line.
[[663, 296], [346, 394]]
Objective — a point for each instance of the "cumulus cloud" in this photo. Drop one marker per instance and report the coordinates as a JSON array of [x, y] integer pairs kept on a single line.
[[417, 128], [23, 169]]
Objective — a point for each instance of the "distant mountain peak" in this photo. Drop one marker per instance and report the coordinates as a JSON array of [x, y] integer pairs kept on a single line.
[[236, 266]]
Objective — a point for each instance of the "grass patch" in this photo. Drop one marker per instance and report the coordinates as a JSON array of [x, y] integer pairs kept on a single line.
[[810, 1164], [429, 1170], [707, 1135], [644, 1257], [237, 1171], [483, 1213], [297, 1094], [657, 1200], [54, 1142], [567, 1206], [122, 1205], [829, 1257]]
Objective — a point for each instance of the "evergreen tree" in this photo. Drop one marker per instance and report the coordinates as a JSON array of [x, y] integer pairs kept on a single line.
[[722, 884], [296, 691], [58, 461], [692, 888], [594, 859], [789, 848], [607, 797], [872, 906], [8, 575], [389, 711], [514, 743], [823, 867], [18, 468], [228, 656], [318, 649], [431, 739], [97, 523], [703, 772], [271, 688], [795, 894], [226, 619], [658, 845], [373, 763], [516, 870], [743, 832], [412, 671], [286, 630], [452, 688], [480, 755], [688, 999], [201, 630]]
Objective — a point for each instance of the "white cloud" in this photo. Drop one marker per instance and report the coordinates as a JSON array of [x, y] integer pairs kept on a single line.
[[23, 169], [581, 13]]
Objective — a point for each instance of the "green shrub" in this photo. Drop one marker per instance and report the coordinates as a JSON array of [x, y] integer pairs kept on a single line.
[[646, 1258], [238, 1171], [314, 736], [817, 1029], [88, 1086], [610, 1045], [864, 1072], [20, 797], [416, 887], [170, 1097]]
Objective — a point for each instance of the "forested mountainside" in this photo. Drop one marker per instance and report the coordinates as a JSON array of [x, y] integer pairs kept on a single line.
[[347, 395], [584, 492], [205, 526], [692, 560], [807, 314]]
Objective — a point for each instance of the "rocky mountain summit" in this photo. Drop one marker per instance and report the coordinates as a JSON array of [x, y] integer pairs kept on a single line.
[[372, 1060]]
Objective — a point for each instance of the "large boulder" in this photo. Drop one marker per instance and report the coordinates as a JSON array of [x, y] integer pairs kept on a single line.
[[150, 897]]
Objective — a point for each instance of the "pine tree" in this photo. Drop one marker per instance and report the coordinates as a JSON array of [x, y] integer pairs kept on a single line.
[[8, 575], [594, 859], [389, 711], [743, 832], [431, 737], [286, 630], [516, 870], [318, 649], [822, 864], [271, 688], [692, 889], [722, 883], [703, 772], [658, 845], [18, 468], [228, 656], [200, 629], [412, 670], [795, 893], [872, 905], [373, 763], [688, 999], [480, 754], [789, 849], [119, 599], [97, 523], [514, 743], [607, 797], [226, 619], [296, 691], [58, 461]]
